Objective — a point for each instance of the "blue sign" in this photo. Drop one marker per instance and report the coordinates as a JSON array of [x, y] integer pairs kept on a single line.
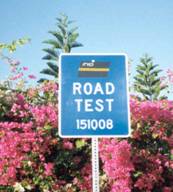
[[93, 98]]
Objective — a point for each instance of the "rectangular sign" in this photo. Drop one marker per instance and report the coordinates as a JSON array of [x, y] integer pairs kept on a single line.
[[93, 98]]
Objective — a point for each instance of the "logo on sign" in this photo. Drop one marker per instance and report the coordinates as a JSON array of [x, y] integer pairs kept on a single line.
[[93, 69]]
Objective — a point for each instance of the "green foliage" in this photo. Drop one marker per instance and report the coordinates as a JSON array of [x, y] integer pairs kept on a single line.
[[65, 165], [147, 80], [6, 189], [64, 39], [80, 143], [11, 47]]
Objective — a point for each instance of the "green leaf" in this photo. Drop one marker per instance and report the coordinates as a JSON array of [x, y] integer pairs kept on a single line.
[[49, 72], [153, 67], [53, 67], [156, 72], [146, 92], [54, 43], [137, 174], [47, 127], [156, 81], [58, 36], [80, 143], [42, 80], [72, 31], [50, 57], [171, 157], [141, 68], [140, 81], [63, 31], [52, 52], [76, 44]]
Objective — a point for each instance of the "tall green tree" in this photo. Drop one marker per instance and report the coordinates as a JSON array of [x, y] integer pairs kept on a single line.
[[147, 80], [64, 39]]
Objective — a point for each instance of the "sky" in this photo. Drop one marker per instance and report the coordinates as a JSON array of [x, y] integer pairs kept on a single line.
[[132, 27]]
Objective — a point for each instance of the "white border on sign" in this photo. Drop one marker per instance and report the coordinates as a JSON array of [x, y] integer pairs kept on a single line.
[[127, 89]]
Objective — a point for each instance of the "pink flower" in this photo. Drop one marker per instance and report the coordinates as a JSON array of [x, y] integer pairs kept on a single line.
[[49, 86], [167, 189], [25, 68], [117, 164], [85, 181], [68, 145], [45, 115], [32, 76], [20, 99], [48, 168], [18, 76]]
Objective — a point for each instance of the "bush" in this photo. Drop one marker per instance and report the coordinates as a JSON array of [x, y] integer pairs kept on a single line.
[[145, 162], [32, 155]]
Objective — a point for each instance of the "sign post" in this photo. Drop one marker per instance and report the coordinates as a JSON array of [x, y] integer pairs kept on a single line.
[[95, 164], [93, 100]]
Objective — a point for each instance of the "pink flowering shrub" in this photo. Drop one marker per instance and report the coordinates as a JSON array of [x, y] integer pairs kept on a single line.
[[32, 155], [144, 162], [35, 158], [117, 164], [152, 144]]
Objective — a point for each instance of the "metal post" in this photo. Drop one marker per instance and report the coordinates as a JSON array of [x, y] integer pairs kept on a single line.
[[95, 164]]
